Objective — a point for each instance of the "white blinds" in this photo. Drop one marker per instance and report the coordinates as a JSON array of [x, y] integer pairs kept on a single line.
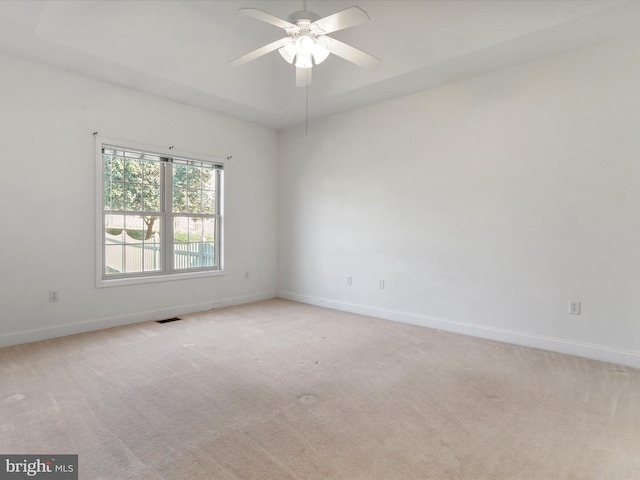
[[154, 157]]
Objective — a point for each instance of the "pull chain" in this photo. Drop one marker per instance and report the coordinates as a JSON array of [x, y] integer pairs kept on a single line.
[[306, 110], [306, 89]]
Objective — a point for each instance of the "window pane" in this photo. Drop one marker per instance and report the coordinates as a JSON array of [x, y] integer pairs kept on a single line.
[[151, 173], [113, 195], [114, 228], [208, 230], [151, 198], [132, 197], [141, 229], [202, 255], [133, 171], [180, 176], [194, 255], [209, 180], [182, 256], [181, 230], [132, 244], [194, 243], [114, 223], [114, 259], [113, 186], [208, 201], [113, 168], [134, 229], [150, 253], [180, 200], [114, 239], [194, 177], [188, 195], [195, 230], [194, 201], [208, 255]]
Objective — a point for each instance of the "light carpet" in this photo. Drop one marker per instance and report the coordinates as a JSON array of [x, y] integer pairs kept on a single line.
[[281, 390]]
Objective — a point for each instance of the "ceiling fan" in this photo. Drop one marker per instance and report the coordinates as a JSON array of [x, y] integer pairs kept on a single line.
[[307, 43]]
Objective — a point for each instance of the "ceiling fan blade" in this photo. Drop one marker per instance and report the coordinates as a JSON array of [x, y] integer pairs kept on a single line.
[[247, 57], [352, 54], [344, 19], [267, 17], [303, 77]]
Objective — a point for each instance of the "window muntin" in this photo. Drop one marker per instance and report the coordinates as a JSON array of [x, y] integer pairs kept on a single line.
[[161, 214]]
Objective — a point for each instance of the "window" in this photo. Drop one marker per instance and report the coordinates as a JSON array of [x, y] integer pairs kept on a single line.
[[161, 214]]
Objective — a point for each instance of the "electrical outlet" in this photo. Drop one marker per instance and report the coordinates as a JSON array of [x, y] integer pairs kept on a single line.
[[246, 275], [574, 307], [381, 284], [349, 280], [53, 295]]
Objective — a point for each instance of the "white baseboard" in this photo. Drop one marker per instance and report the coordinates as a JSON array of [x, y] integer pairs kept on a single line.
[[102, 323], [231, 301], [594, 352]]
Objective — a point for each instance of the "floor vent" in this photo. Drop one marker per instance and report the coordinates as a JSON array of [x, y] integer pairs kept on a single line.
[[174, 319]]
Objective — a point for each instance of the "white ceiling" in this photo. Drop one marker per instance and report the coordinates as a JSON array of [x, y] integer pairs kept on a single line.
[[180, 49]]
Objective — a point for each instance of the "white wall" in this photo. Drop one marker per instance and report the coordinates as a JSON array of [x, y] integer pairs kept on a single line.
[[47, 193], [486, 206]]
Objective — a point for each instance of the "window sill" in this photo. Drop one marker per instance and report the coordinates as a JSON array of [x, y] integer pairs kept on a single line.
[[121, 282]]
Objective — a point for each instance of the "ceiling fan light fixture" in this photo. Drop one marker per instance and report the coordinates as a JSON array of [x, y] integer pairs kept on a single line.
[[320, 51], [288, 52], [304, 61], [305, 45]]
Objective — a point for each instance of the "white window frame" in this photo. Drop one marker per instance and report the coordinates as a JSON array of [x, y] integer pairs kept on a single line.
[[102, 280]]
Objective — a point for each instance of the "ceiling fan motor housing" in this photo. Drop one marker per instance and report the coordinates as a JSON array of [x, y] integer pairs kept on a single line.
[[303, 17]]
